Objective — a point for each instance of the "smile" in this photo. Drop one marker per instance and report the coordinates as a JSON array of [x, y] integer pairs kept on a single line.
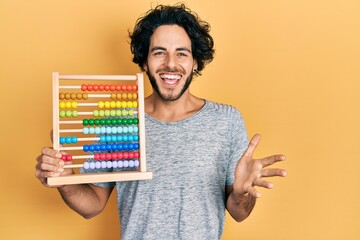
[[170, 79]]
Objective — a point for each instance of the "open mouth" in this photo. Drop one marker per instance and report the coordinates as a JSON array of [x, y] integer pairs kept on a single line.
[[170, 78]]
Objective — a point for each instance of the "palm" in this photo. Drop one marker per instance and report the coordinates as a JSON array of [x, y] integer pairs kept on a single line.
[[249, 172]]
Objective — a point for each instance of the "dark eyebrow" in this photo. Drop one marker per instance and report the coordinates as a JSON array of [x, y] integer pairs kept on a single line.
[[164, 49]]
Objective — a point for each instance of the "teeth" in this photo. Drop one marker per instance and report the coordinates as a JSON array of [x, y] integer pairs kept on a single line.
[[170, 76]]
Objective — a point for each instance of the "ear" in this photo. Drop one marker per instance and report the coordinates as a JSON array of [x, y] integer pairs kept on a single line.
[[195, 66], [145, 67]]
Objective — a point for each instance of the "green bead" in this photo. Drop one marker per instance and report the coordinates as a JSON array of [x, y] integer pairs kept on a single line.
[[130, 121], [62, 113], [118, 121], [102, 121], [118, 113], [136, 120], [85, 122], [74, 113], [124, 121], [91, 122], [113, 121], [108, 121], [124, 113], [96, 113], [68, 113], [97, 122], [107, 113], [113, 113], [101, 113], [131, 112]]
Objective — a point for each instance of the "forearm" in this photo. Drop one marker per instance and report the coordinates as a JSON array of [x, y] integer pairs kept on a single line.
[[82, 199], [240, 206]]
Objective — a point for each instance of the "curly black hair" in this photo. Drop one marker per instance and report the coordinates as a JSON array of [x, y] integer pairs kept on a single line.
[[198, 31]]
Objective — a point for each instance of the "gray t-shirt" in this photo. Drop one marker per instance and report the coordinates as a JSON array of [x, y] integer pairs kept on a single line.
[[192, 161]]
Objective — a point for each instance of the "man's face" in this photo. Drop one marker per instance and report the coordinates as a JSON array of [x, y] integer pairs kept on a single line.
[[170, 63]]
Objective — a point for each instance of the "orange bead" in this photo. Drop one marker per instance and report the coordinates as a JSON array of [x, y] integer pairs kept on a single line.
[[73, 96], [79, 96], [67, 96], [61, 96], [84, 96]]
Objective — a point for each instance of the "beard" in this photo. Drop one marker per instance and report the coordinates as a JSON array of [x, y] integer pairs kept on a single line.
[[170, 97]]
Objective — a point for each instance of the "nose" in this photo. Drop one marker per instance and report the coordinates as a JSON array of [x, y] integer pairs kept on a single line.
[[170, 61]]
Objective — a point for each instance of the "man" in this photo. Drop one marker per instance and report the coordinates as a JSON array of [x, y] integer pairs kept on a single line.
[[197, 149]]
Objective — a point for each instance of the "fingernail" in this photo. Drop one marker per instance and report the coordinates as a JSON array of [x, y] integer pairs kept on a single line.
[[58, 155], [60, 170]]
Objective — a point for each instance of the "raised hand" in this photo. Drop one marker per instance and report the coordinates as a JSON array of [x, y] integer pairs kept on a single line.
[[249, 172]]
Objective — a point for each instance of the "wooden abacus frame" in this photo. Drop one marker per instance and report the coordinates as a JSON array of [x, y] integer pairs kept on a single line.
[[80, 178]]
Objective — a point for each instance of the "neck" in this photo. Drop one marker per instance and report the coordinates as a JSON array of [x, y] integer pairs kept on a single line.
[[172, 111]]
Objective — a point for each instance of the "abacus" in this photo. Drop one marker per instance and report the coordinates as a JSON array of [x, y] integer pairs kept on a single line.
[[102, 117]]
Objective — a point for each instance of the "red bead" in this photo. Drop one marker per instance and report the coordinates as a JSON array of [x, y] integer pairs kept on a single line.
[[123, 87], [126, 155], [101, 87], [129, 87], [63, 157], [83, 87], [117, 87], [136, 154], [106, 87], [120, 155], [102, 156], [131, 155], [134, 87], [89, 87], [112, 87], [95, 87], [68, 157], [97, 156], [114, 156], [108, 156]]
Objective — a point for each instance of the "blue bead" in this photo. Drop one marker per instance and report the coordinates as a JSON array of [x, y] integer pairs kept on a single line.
[[108, 147], [86, 130], [126, 147], [97, 147], [103, 130], [103, 147], [136, 138], [102, 138], [108, 138], [85, 148], [119, 138], [131, 138], [97, 130], [91, 147], [114, 147], [74, 139], [131, 146], [68, 140], [136, 129], [62, 140], [113, 138], [120, 147], [136, 146], [125, 138]]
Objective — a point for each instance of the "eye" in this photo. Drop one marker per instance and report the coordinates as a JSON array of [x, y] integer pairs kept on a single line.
[[158, 53], [181, 54]]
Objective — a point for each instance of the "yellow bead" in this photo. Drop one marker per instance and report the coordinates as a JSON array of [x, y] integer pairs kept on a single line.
[[62, 104], [68, 104], [135, 104], [107, 104], [112, 104], [74, 104], [129, 104], [118, 104], [123, 104], [101, 104]]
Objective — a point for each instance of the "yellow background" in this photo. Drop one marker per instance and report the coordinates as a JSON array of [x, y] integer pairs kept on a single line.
[[291, 67]]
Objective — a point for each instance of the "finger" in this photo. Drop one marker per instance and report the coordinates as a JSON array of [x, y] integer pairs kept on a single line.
[[252, 145], [273, 172], [262, 183], [272, 159], [51, 152], [253, 192]]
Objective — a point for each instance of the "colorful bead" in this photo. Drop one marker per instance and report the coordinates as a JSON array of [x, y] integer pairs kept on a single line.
[[61, 96]]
